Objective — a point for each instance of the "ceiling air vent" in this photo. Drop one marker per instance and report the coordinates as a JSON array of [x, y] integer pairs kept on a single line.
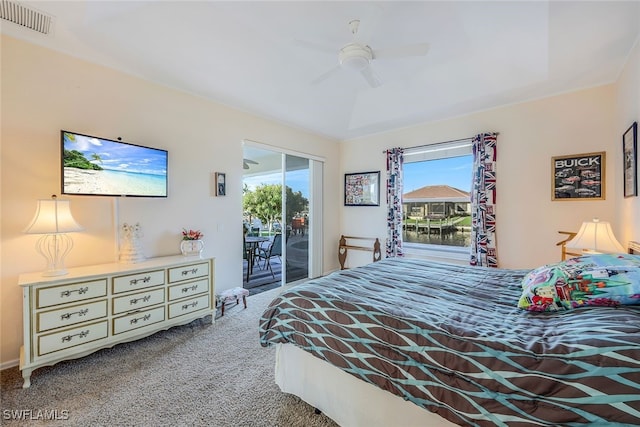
[[25, 16]]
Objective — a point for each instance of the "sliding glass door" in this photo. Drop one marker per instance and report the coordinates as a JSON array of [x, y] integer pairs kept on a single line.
[[279, 208], [296, 208]]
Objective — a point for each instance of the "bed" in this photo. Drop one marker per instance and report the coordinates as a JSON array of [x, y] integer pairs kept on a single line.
[[414, 342]]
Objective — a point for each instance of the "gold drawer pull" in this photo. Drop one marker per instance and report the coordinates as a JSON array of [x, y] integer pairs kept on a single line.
[[145, 279], [134, 301], [80, 291], [137, 319], [186, 306], [193, 288], [67, 316], [192, 271], [81, 334]]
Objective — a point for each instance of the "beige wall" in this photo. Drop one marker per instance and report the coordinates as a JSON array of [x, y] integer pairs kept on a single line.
[[530, 134], [627, 112], [44, 92]]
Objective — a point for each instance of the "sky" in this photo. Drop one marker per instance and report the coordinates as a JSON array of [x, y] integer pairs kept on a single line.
[[453, 171], [297, 180]]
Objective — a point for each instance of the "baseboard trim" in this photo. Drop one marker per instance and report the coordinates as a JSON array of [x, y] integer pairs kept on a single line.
[[9, 364]]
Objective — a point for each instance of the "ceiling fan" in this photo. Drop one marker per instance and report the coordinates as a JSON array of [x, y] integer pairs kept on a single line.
[[359, 56], [247, 162]]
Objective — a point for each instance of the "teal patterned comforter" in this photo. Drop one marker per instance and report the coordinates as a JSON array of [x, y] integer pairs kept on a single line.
[[452, 340]]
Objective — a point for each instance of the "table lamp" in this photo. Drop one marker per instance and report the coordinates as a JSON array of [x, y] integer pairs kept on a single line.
[[595, 237], [53, 219]]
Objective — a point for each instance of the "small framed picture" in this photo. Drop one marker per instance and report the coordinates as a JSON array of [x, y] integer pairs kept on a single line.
[[362, 189], [630, 156], [221, 185], [578, 177]]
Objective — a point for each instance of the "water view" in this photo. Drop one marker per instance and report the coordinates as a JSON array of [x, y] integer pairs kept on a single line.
[[457, 238], [449, 231]]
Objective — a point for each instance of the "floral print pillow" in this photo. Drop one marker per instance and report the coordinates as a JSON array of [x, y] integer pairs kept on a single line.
[[590, 280]]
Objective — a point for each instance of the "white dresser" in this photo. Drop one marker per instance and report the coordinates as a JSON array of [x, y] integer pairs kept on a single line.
[[98, 306]]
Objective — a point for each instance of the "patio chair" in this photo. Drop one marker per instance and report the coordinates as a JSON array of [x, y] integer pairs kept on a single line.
[[274, 250]]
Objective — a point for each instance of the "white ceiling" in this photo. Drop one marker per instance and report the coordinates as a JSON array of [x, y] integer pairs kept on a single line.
[[263, 56]]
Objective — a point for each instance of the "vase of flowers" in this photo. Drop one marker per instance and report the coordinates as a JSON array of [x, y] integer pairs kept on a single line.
[[192, 243]]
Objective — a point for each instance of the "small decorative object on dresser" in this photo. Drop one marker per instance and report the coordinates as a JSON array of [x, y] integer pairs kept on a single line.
[[95, 307], [130, 249], [192, 243]]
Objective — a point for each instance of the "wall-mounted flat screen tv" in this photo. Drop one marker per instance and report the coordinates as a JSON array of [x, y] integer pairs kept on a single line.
[[101, 167]]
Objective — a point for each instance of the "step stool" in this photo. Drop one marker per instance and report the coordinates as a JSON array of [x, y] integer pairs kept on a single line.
[[231, 295]]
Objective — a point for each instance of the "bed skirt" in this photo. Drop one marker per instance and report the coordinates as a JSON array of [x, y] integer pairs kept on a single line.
[[344, 398]]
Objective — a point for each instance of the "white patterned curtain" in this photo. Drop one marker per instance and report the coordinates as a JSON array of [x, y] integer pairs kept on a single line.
[[395, 159], [483, 201]]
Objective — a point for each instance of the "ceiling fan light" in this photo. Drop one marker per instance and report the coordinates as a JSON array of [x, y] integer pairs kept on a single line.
[[355, 57], [355, 63]]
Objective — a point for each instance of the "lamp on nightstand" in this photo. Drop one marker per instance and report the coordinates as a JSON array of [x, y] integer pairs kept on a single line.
[[53, 219], [595, 237]]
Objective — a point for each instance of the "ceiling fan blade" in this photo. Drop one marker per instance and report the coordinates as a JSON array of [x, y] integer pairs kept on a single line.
[[325, 75], [419, 49], [371, 77]]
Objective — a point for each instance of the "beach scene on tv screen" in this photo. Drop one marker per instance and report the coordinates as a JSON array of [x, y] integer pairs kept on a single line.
[[102, 167]]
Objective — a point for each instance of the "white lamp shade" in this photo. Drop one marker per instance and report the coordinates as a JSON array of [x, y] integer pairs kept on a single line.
[[596, 236], [52, 216]]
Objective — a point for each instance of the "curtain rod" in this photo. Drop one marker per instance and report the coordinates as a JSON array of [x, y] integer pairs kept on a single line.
[[439, 143]]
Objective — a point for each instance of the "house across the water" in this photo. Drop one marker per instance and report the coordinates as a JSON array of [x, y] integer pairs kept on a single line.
[[436, 202]]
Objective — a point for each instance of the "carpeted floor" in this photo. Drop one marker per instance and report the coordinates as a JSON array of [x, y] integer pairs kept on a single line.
[[196, 375]]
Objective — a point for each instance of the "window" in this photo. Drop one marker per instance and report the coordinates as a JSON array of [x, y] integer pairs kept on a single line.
[[436, 199]]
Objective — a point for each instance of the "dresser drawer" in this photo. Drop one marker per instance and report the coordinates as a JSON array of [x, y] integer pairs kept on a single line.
[[72, 337], [61, 294], [138, 301], [188, 306], [70, 315], [185, 272], [139, 319], [188, 289], [133, 282]]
